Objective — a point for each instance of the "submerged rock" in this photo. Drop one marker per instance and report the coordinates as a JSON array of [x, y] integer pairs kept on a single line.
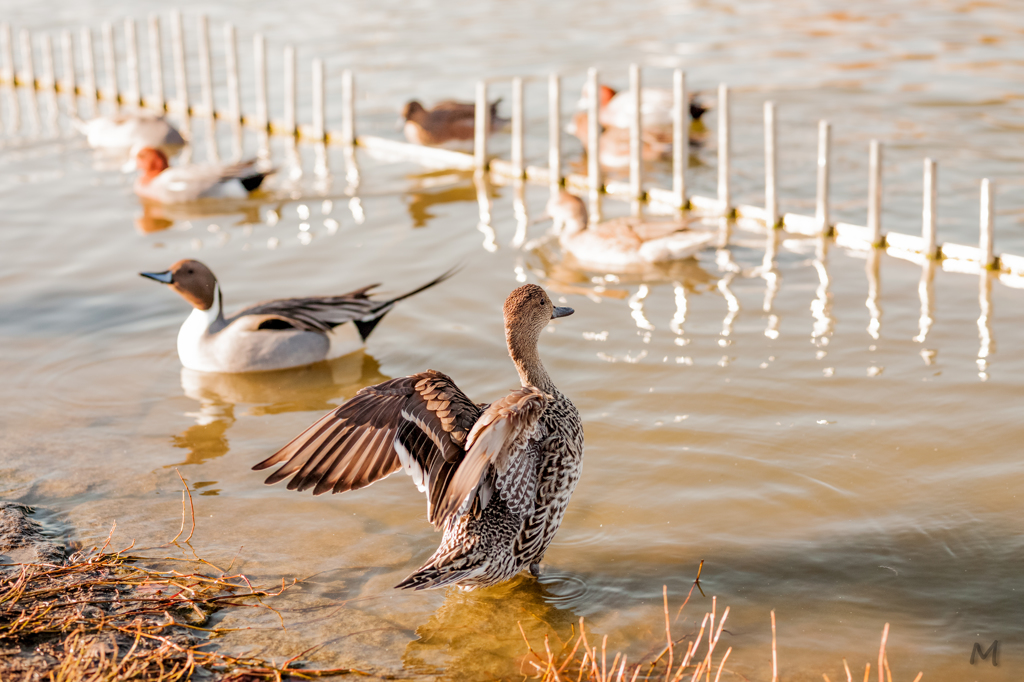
[[23, 540]]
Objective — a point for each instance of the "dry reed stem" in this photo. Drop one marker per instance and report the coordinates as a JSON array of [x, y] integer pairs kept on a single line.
[[775, 656], [849, 675], [881, 651]]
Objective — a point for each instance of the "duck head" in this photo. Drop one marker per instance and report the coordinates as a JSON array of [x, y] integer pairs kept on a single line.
[[568, 213], [527, 311], [193, 281], [150, 163], [412, 110]]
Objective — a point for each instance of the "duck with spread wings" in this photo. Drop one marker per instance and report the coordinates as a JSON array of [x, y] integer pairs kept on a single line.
[[497, 477]]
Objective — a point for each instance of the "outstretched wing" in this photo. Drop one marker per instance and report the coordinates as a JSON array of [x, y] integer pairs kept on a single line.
[[500, 456], [419, 423]]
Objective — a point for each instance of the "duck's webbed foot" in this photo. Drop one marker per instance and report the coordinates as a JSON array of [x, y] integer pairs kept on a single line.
[[535, 570]]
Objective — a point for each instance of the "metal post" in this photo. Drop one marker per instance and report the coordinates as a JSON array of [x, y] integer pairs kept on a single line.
[[48, 77], [69, 86], [259, 55], [724, 195], [771, 191], [480, 127], [821, 213], [289, 89], [635, 156], [28, 70], [231, 64], [110, 63], [593, 146], [555, 132], [90, 89], [156, 64], [8, 74], [928, 210], [988, 227], [205, 66], [180, 70], [875, 193], [131, 52], [517, 126], [680, 137], [348, 106], [318, 100]]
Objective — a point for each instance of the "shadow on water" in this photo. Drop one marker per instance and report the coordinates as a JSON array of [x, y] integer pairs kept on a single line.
[[476, 635], [304, 389]]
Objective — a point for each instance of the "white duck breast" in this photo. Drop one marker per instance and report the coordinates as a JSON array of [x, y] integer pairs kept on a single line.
[[181, 184], [655, 109]]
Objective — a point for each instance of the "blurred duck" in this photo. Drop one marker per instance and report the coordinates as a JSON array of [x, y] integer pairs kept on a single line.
[[446, 122], [159, 182], [616, 108], [287, 332], [655, 127], [132, 132], [621, 242], [498, 477]]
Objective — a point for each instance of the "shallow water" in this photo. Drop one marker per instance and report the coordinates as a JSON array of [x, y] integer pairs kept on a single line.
[[845, 460]]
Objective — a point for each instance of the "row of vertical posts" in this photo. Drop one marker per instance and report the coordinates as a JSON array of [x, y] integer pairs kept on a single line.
[[109, 88]]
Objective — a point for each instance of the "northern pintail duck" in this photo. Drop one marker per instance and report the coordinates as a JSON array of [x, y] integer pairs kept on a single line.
[[132, 132], [446, 122], [621, 242], [161, 183], [497, 477], [287, 332], [656, 131], [616, 108]]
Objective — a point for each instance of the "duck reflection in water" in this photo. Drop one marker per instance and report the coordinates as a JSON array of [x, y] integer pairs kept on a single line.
[[158, 217], [312, 388], [441, 187], [478, 633]]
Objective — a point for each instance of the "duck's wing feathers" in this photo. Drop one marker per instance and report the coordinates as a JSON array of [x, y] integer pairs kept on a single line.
[[418, 423], [318, 313], [323, 313], [500, 456]]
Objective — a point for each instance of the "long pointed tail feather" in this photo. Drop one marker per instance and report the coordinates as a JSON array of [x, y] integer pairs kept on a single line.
[[367, 324]]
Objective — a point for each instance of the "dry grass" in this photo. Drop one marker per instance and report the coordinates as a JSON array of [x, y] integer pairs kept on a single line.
[[580, 661], [104, 616]]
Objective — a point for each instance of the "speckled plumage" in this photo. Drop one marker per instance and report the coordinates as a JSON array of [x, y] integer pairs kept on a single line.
[[498, 477]]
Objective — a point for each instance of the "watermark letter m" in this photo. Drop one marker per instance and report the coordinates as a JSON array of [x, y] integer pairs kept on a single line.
[[992, 651]]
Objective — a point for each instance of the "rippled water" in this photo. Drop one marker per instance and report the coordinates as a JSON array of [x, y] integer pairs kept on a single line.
[[845, 459]]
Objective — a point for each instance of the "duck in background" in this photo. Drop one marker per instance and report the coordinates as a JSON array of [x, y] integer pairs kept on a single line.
[[448, 121], [278, 334], [130, 132], [615, 111], [621, 243], [498, 477], [162, 184]]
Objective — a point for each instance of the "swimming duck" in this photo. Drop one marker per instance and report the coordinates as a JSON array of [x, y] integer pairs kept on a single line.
[[656, 132], [621, 242], [447, 121], [498, 477], [616, 108], [160, 183], [133, 131], [287, 332]]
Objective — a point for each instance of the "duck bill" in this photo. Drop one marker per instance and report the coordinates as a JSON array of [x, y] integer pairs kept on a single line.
[[163, 277], [561, 311]]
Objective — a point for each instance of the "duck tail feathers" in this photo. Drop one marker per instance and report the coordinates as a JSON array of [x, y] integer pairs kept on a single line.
[[368, 323]]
